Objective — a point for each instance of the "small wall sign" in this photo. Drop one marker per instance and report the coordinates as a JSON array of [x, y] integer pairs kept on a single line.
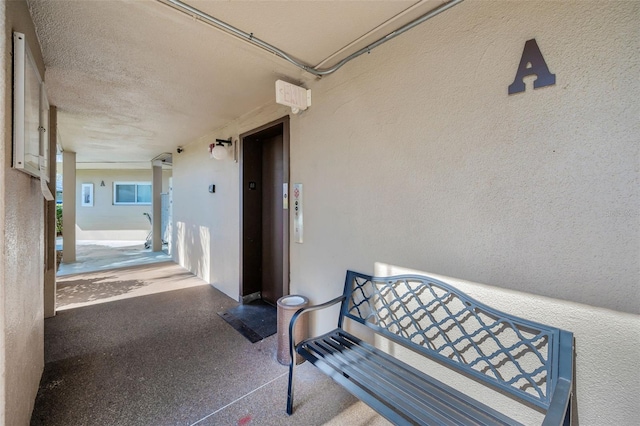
[[532, 63]]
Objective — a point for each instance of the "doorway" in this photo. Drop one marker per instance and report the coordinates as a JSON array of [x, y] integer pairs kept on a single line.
[[264, 241]]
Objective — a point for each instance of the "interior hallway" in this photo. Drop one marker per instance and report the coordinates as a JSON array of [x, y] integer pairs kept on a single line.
[[140, 357]]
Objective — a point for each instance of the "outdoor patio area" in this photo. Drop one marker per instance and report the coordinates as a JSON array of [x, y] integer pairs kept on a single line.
[[144, 345], [96, 255]]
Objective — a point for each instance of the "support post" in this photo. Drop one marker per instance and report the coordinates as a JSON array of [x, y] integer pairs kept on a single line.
[[156, 218], [50, 223], [69, 207]]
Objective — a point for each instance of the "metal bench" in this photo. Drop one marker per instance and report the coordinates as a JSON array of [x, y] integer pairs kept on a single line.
[[530, 362]]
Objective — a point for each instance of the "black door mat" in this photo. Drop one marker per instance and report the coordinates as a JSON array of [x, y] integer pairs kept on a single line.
[[255, 321]]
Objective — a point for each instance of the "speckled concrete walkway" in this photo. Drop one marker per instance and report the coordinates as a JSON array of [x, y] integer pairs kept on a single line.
[[167, 358]]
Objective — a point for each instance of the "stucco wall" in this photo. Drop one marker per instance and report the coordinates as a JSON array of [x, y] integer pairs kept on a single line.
[[206, 228], [416, 156], [428, 163], [105, 220], [22, 236]]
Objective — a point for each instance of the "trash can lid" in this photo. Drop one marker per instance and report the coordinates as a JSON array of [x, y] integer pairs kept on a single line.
[[292, 300]]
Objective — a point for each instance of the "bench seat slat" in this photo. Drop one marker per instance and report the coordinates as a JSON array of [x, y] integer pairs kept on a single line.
[[415, 394], [402, 382], [363, 393], [414, 380], [360, 375], [407, 393], [385, 383]]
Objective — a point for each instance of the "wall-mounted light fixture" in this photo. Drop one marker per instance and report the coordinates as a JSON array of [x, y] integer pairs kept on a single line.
[[102, 183], [217, 150]]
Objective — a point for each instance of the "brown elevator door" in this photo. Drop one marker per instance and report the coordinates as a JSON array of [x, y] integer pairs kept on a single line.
[[272, 218], [264, 219]]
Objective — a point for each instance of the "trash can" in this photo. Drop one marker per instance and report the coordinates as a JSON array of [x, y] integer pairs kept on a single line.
[[287, 306]]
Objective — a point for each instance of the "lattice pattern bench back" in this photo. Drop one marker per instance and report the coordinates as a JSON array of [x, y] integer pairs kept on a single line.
[[431, 317]]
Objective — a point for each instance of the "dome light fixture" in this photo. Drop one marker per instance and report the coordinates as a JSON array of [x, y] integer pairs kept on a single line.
[[217, 150]]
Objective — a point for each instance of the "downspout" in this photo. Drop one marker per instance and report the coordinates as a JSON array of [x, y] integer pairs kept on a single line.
[[249, 37]]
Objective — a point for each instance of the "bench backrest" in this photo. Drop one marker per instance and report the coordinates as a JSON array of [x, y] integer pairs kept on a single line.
[[431, 317]]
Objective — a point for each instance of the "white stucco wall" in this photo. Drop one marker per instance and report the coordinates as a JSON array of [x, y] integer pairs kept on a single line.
[[22, 255], [105, 220], [416, 156]]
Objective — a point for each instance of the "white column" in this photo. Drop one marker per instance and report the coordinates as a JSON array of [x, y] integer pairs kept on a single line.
[[156, 218], [68, 207]]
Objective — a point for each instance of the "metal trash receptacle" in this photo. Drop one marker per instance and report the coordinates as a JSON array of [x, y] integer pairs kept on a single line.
[[287, 306]]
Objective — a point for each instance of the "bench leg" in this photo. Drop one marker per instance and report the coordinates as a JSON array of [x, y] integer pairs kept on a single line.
[[567, 416], [290, 387]]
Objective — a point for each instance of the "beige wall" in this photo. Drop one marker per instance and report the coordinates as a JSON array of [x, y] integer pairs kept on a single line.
[[206, 231], [416, 156], [22, 255], [106, 221]]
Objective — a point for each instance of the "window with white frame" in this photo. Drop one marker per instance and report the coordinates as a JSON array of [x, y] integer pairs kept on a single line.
[[129, 193]]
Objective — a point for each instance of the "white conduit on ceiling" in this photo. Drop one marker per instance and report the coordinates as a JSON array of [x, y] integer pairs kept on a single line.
[[192, 11]]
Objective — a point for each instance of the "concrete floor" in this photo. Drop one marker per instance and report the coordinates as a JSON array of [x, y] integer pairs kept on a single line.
[[167, 358], [95, 255]]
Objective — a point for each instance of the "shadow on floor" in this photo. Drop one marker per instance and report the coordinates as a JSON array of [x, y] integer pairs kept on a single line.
[[88, 290], [169, 359], [106, 286]]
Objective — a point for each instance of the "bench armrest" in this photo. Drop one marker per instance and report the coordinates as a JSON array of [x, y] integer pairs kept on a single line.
[[558, 412], [302, 311]]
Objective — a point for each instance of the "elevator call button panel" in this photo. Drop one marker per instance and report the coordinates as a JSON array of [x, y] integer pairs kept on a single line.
[[297, 212]]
